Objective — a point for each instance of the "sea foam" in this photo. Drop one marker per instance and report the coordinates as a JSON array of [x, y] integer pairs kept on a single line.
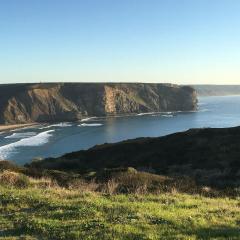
[[88, 119], [90, 124], [39, 139], [64, 124], [146, 113], [21, 135]]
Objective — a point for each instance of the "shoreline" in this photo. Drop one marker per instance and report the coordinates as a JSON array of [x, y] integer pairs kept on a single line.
[[10, 127]]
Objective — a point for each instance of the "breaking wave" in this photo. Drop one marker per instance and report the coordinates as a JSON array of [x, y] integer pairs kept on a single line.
[[7, 150], [57, 125], [90, 124], [88, 119], [22, 135], [148, 113], [168, 116]]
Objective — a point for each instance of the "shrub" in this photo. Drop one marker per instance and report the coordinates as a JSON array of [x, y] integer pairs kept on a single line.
[[22, 181], [43, 182], [121, 180], [110, 187], [131, 181], [14, 179], [82, 185], [62, 178]]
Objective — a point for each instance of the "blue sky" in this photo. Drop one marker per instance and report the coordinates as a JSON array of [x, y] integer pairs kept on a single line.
[[178, 41]]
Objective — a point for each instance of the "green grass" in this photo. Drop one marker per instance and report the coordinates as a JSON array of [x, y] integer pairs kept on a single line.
[[56, 213]]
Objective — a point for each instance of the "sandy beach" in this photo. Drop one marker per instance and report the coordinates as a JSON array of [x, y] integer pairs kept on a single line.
[[15, 126]]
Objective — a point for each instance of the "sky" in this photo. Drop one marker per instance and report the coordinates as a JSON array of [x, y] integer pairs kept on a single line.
[[176, 41]]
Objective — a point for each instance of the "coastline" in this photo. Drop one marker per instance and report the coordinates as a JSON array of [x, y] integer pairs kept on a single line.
[[9, 127]]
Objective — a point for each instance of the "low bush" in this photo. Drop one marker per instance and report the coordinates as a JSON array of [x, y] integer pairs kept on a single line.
[[43, 182], [83, 185], [113, 181], [139, 182], [14, 179]]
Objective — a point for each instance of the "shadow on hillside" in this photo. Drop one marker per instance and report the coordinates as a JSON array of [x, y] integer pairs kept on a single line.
[[225, 232], [12, 233]]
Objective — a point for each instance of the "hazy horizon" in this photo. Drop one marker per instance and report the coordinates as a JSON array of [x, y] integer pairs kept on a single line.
[[176, 41], [188, 84]]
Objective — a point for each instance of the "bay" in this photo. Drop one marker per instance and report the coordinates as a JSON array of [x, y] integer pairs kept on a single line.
[[21, 146]]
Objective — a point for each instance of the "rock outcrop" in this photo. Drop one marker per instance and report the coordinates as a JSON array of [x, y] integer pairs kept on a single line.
[[53, 102]]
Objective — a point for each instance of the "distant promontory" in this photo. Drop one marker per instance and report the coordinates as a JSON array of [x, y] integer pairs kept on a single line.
[[54, 102]]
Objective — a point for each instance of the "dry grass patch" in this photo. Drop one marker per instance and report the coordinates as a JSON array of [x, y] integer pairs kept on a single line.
[[14, 179]]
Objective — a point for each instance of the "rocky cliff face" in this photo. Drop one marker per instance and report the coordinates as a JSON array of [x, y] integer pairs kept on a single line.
[[52, 102]]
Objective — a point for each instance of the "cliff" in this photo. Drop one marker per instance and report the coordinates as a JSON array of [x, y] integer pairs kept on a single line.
[[53, 102]]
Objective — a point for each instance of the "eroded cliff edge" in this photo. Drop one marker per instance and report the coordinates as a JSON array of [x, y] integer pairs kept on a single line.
[[53, 102]]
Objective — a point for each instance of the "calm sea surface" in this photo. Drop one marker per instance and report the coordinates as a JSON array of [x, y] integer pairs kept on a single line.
[[54, 140]]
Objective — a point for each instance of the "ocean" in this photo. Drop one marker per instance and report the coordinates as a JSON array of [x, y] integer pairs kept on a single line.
[[52, 140]]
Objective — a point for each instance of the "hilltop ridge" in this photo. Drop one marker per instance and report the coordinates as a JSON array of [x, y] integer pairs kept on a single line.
[[210, 156]]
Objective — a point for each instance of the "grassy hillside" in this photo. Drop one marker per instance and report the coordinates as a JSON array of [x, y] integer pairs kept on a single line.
[[183, 186], [39, 208], [209, 156], [57, 213]]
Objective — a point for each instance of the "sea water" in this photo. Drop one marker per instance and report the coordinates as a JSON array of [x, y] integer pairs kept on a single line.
[[23, 145]]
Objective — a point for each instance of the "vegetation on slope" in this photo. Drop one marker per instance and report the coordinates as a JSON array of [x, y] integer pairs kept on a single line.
[[184, 186], [43, 210], [209, 156]]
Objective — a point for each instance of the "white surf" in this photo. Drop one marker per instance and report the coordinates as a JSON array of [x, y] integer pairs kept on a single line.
[[42, 138]]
